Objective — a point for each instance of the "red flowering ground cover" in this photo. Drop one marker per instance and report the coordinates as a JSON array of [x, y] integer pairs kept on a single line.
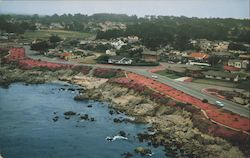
[[142, 89], [15, 54], [214, 113], [198, 119], [30, 63], [18, 54]]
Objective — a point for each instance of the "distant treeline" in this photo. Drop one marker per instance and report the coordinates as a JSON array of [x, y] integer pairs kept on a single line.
[[155, 31], [177, 31]]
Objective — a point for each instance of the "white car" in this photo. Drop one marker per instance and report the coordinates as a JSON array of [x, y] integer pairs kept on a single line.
[[154, 76], [219, 103]]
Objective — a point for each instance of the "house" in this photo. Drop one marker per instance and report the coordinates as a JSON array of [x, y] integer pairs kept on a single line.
[[117, 44], [223, 55], [56, 26], [150, 56], [120, 60], [133, 39], [220, 46], [198, 63], [194, 71], [110, 52], [221, 75], [241, 64], [244, 56], [66, 55], [231, 68], [199, 56]]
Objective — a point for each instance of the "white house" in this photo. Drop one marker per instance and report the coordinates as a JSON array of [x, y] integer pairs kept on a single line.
[[242, 64], [110, 52], [133, 39], [118, 44], [120, 60]]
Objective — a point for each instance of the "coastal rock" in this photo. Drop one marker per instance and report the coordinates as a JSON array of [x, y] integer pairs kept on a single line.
[[127, 155], [89, 106], [122, 133], [116, 120], [84, 117], [67, 117], [81, 97], [143, 151], [69, 113], [55, 118]]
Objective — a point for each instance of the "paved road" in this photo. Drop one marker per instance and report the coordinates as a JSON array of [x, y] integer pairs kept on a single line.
[[228, 105]]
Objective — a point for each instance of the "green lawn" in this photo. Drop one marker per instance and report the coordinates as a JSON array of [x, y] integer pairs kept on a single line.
[[216, 82], [169, 75], [45, 34]]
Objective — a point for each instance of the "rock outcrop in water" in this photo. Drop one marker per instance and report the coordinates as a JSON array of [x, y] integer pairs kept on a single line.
[[173, 128]]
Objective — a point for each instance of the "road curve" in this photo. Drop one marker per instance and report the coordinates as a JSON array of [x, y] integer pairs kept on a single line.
[[228, 105]]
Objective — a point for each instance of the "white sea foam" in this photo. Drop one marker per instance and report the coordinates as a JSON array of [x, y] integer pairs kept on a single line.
[[116, 137]]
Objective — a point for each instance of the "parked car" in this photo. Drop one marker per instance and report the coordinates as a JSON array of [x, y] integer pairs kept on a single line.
[[154, 76], [219, 103]]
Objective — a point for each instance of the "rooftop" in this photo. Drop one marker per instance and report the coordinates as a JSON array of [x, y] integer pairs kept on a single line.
[[199, 55], [231, 68], [149, 52]]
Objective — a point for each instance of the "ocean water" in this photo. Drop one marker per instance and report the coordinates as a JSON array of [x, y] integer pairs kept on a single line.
[[27, 129]]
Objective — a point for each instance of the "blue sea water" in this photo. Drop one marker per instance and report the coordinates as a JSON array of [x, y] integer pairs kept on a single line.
[[27, 129]]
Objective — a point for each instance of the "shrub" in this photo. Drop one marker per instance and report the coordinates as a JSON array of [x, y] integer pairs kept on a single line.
[[205, 101], [106, 73], [83, 69]]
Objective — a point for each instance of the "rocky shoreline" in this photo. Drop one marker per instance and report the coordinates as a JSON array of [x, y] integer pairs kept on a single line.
[[171, 127]]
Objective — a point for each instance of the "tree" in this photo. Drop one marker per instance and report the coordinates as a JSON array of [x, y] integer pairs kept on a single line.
[[54, 39], [213, 60], [40, 46], [236, 46], [102, 59]]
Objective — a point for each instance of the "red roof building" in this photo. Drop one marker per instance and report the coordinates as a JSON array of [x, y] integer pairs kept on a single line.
[[199, 56], [231, 68]]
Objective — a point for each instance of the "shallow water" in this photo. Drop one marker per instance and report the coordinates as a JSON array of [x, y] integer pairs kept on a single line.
[[27, 129]]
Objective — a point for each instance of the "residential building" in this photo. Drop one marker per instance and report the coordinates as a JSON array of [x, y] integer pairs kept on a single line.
[[120, 60], [198, 56], [111, 52], [133, 39], [223, 55], [150, 56], [244, 56], [241, 64], [221, 75], [118, 44], [231, 68]]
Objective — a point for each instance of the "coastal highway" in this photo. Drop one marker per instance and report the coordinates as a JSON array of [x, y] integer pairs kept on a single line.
[[228, 105]]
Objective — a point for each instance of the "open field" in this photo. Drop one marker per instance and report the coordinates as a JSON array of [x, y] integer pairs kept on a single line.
[[169, 75], [44, 34]]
